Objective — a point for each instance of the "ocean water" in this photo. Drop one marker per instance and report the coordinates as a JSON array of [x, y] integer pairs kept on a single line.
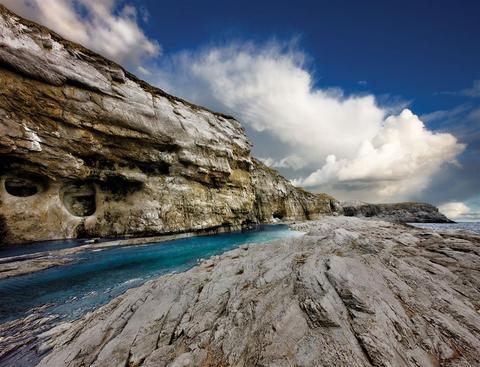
[[98, 276], [470, 226]]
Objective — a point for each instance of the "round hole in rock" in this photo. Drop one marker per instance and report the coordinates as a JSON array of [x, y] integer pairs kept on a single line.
[[79, 198], [23, 186], [278, 215]]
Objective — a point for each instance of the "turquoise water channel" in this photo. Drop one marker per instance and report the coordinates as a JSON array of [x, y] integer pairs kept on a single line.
[[98, 276]]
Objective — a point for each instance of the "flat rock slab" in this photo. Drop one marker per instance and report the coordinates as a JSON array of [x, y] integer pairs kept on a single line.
[[350, 292]]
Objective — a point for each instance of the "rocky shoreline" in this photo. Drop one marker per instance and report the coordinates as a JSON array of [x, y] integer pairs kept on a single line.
[[92, 151], [351, 292], [87, 150], [25, 264]]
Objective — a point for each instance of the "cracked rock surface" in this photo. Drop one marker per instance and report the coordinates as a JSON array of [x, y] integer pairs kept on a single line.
[[351, 292]]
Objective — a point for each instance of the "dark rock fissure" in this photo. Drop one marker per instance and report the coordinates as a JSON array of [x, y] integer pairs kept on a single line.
[[22, 186], [119, 187], [3, 228]]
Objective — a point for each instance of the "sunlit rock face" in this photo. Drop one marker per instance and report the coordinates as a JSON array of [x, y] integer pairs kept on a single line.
[[276, 198], [87, 149]]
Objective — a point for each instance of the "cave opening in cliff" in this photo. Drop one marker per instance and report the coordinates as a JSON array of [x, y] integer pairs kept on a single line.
[[119, 187], [79, 198], [23, 186], [279, 215]]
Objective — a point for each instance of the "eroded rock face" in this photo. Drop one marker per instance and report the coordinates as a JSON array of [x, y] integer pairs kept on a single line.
[[276, 198], [153, 163], [351, 292], [79, 198]]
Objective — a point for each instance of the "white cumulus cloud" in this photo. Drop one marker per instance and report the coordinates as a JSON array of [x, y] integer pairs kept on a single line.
[[292, 161], [96, 24], [400, 158], [346, 141], [454, 209]]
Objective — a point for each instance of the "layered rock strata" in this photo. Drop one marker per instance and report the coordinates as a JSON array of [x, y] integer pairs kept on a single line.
[[351, 292], [87, 149]]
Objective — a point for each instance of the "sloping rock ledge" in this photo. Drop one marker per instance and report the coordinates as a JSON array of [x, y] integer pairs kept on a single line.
[[351, 292]]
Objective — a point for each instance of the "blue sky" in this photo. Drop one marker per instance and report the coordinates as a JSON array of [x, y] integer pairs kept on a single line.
[[343, 59], [411, 49]]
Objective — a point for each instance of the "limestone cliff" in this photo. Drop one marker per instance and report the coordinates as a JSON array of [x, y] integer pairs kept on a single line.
[[87, 149], [276, 198]]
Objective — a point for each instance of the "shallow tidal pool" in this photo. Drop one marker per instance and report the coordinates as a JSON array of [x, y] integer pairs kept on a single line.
[[95, 277]]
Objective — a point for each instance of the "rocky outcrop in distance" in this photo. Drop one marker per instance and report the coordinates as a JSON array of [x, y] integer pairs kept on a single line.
[[89, 150], [351, 292], [399, 212]]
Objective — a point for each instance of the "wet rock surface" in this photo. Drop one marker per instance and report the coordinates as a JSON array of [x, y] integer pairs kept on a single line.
[[351, 292], [143, 162], [20, 341]]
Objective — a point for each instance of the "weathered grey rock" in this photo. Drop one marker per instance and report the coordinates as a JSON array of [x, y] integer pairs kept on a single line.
[[87, 149], [276, 198], [351, 292], [408, 212]]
